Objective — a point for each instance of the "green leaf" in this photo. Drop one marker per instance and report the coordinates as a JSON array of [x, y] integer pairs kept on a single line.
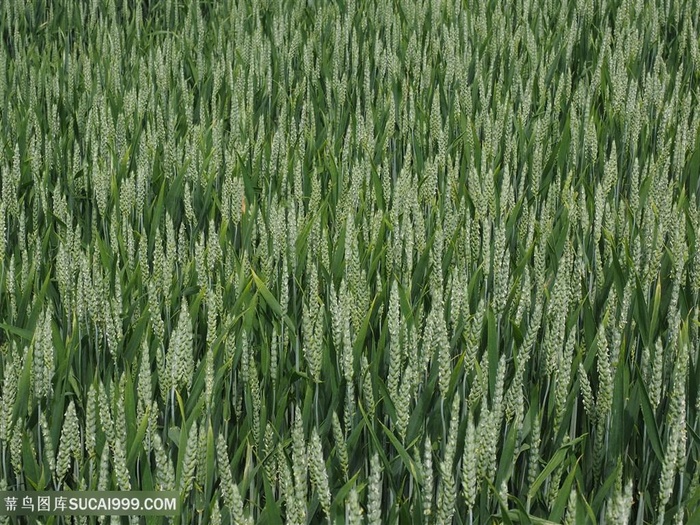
[[24, 333], [557, 459], [518, 516], [649, 420], [563, 496], [655, 310], [583, 509], [21, 408], [210, 466], [502, 504], [31, 470], [493, 344], [403, 454], [505, 467], [342, 493], [271, 301], [137, 444]]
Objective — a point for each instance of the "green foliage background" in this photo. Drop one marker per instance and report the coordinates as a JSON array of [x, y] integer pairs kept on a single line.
[[431, 261]]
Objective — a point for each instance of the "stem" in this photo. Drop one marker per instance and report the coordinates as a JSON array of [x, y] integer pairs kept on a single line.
[[172, 402], [442, 414], [97, 345], [546, 392], [296, 342], [316, 402], [39, 433], [640, 509]]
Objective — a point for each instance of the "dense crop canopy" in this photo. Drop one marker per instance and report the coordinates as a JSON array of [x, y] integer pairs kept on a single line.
[[415, 261]]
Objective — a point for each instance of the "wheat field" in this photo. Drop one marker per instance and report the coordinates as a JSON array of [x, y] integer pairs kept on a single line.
[[413, 261]]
